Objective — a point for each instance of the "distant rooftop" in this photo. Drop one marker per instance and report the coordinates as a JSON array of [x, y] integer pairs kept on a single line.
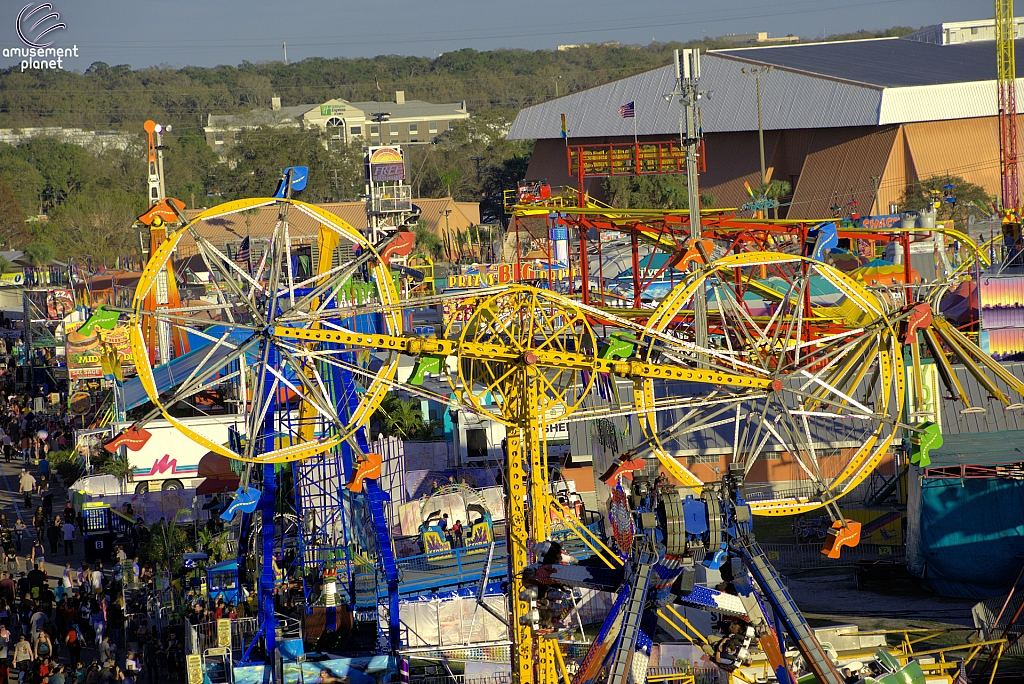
[[952, 32], [885, 62]]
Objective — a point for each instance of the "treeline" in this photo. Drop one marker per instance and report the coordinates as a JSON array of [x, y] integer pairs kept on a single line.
[[83, 204], [119, 97], [89, 200]]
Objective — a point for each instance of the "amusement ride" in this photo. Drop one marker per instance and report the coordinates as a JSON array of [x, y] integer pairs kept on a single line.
[[764, 351]]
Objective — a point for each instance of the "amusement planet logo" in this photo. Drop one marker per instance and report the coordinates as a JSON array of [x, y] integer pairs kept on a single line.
[[37, 26]]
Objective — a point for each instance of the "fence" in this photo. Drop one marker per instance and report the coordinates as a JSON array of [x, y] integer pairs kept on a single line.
[[203, 636], [993, 617], [797, 557]]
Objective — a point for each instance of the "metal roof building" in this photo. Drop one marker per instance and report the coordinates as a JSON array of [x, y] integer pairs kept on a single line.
[[838, 117]]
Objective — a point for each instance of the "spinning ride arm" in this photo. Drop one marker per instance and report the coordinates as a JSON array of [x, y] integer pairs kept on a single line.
[[658, 571]]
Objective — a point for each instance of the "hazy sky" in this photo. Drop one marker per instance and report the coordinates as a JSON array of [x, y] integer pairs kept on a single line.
[[211, 32]]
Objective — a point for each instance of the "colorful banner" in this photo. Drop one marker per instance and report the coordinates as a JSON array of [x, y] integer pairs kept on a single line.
[[1002, 311], [85, 352], [499, 274]]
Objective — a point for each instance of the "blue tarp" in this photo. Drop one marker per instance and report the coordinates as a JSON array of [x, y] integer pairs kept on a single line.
[[178, 370], [965, 537]]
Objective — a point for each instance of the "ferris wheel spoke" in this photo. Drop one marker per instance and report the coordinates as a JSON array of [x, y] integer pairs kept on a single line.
[[315, 394], [213, 259], [334, 280], [282, 380], [227, 268], [200, 377], [745, 323]]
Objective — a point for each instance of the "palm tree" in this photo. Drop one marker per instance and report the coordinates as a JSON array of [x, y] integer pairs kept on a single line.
[[399, 418], [776, 190], [118, 466], [166, 544]]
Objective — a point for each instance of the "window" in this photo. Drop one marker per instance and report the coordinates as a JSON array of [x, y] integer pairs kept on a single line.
[[413, 128], [394, 129], [374, 130], [974, 30], [356, 130], [218, 138], [476, 443], [432, 127]]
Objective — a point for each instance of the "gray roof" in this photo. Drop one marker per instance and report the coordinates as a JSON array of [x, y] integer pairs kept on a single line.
[[417, 109], [822, 85], [261, 117], [886, 62], [994, 419], [789, 100]]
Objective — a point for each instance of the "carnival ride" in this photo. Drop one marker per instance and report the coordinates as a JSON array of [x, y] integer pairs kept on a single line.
[[762, 352], [796, 349]]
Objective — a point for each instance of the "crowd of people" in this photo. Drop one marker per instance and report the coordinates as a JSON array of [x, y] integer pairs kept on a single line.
[[71, 628]]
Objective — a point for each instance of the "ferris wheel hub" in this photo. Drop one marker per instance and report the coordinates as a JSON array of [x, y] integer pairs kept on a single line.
[[776, 385], [530, 358]]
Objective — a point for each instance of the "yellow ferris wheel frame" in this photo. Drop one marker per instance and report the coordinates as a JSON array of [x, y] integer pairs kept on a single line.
[[374, 394]]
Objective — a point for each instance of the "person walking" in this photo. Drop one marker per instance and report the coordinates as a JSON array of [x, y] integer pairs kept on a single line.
[[44, 646], [53, 535], [44, 469], [19, 533], [27, 486], [38, 554], [23, 657], [73, 640], [39, 522], [69, 537]]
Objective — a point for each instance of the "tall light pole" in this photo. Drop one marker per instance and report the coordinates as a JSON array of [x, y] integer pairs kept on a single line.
[[757, 73]]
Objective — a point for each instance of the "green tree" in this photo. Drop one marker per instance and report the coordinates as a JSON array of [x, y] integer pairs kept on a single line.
[[403, 419], [97, 226], [449, 178], [65, 168], [12, 218], [427, 241], [261, 154], [166, 544], [498, 178], [22, 178], [651, 192], [776, 190], [39, 253], [924, 193]]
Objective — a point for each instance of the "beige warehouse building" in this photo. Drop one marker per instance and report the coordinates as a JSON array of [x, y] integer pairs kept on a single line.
[[857, 120]]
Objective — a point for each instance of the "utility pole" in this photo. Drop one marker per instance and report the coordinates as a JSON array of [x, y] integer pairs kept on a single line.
[[757, 73], [477, 161], [689, 92]]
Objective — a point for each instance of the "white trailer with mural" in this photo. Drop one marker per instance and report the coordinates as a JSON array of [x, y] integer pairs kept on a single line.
[[169, 459]]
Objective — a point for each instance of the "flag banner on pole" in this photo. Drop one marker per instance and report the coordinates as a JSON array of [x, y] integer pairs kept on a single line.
[[376, 82], [242, 255], [628, 110], [565, 130]]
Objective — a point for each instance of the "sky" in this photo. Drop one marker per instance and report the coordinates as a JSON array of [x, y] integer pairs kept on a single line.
[[211, 32]]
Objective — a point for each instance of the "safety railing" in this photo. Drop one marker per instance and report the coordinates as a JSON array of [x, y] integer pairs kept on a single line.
[[460, 567], [797, 557]]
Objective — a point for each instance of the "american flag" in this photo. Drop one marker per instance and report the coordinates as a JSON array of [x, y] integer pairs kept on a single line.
[[961, 675], [243, 253], [628, 110]]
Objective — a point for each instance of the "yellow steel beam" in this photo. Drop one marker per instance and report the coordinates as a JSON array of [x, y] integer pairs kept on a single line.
[[544, 358]]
